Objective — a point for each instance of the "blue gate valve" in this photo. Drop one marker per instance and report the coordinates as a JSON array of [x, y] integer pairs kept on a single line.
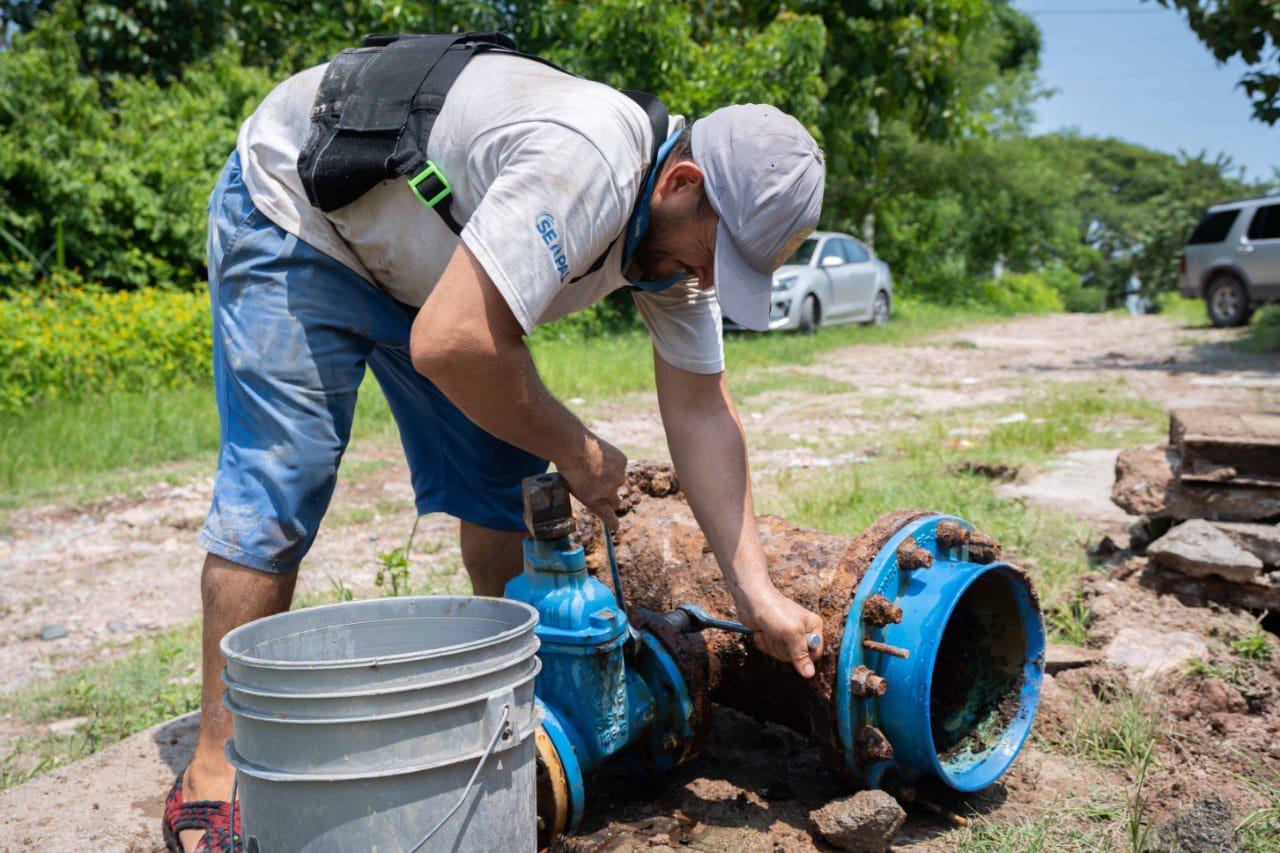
[[608, 688]]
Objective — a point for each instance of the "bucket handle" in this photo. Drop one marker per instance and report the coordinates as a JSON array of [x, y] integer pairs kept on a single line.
[[501, 731]]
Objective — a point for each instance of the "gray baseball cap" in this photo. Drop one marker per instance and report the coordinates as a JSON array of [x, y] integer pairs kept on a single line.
[[763, 174]]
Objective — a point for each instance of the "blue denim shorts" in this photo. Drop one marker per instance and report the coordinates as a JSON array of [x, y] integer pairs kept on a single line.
[[293, 331]]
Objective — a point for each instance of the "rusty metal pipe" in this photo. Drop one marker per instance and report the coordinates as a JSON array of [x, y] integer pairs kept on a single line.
[[981, 678]]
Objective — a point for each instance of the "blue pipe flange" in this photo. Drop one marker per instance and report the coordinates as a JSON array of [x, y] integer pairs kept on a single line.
[[561, 793], [941, 660], [676, 730]]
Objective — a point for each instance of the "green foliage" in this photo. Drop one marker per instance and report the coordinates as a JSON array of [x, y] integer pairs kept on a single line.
[[126, 182], [1021, 293], [75, 340], [1256, 646], [1249, 31], [1263, 335]]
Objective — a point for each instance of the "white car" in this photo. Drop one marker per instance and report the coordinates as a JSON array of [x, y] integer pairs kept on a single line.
[[1232, 259], [832, 278]]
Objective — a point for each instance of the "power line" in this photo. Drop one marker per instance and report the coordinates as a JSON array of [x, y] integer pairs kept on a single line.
[[1081, 12]]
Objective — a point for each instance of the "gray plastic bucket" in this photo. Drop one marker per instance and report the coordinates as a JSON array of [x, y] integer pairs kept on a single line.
[[357, 726]]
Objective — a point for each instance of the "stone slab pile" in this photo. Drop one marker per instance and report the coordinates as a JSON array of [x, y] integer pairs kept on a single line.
[[1209, 502]]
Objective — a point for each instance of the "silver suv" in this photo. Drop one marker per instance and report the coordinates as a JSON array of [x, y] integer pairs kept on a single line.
[[1232, 259], [832, 278]]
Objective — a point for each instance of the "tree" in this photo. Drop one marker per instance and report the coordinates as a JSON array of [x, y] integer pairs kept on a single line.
[[1248, 29]]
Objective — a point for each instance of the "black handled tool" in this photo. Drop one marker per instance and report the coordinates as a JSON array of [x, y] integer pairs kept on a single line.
[[690, 618]]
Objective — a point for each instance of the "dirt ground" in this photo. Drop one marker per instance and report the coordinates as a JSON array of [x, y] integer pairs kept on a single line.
[[128, 566]]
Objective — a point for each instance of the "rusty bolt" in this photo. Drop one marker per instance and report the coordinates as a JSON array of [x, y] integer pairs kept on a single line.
[[911, 556], [951, 534], [983, 549], [879, 611], [863, 683], [873, 746], [885, 649]]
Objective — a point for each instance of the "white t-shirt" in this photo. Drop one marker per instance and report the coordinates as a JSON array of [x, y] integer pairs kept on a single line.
[[527, 149]]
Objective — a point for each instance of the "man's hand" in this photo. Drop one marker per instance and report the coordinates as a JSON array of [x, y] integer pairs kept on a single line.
[[782, 628], [594, 476]]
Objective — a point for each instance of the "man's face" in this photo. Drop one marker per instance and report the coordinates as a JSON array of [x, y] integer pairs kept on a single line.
[[682, 229]]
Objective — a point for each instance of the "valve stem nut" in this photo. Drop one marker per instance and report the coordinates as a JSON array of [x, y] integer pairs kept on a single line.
[[911, 556], [952, 534], [879, 611], [863, 683], [983, 548], [873, 746]]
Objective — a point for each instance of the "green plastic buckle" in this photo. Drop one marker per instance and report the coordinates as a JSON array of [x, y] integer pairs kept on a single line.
[[422, 176]]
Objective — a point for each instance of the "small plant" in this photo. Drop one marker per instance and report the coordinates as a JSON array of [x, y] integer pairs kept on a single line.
[[394, 571], [1256, 646], [1197, 668], [1138, 823], [341, 592], [1069, 620]]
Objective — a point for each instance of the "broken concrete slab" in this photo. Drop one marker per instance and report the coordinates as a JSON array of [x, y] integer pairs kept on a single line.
[[1216, 444], [1198, 548], [80, 806], [1078, 487], [1149, 482], [1144, 476], [1261, 540], [1151, 654], [865, 822], [1209, 826], [1060, 656]]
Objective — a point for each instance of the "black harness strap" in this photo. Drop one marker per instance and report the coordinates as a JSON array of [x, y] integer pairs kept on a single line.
[[375, 109]]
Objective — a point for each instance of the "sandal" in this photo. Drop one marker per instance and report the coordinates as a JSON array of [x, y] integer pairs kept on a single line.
[[213, 816]]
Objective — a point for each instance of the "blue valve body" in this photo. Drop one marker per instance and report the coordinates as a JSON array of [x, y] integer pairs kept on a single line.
[[600, 701]]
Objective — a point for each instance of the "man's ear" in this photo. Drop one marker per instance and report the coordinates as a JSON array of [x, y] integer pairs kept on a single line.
[[682, 175]]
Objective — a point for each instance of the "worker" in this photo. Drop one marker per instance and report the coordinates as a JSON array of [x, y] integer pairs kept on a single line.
[[361, 224]]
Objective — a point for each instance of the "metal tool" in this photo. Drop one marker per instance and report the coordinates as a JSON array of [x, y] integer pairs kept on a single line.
[[690, 618]]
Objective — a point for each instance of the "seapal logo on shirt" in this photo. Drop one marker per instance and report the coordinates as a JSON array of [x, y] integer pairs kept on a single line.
[[546, 225]]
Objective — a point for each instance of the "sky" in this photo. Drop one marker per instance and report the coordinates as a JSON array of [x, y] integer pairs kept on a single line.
[[1135, 71]]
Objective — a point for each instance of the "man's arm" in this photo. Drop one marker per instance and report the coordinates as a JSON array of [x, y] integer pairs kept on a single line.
[[710, 455], [466, 340]]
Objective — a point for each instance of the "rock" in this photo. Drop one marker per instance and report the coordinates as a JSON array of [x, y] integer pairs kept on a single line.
[[1059, 656], [1260, 540], [1153, 653], [1143, 478], [1216, 696], [1206, 827], [865, 822], [67, 726], [115, 626], [1197, 548], [53, 632]]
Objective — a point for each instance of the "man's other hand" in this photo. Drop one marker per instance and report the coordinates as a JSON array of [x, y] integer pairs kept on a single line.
[[595, 474], [782, 628]]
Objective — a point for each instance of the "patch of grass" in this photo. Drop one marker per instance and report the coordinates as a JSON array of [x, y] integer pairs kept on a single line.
[[1263, 334], [917, 468], [1068, 620], [82, 450], [786, 380], [1119, 731], [156, 681], [1197, 668], [1260, 829], [1045, 834]]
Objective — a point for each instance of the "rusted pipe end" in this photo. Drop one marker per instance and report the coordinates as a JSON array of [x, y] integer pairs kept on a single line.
[[880, 611], [912, 557], [873, 746], [864, 683]]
